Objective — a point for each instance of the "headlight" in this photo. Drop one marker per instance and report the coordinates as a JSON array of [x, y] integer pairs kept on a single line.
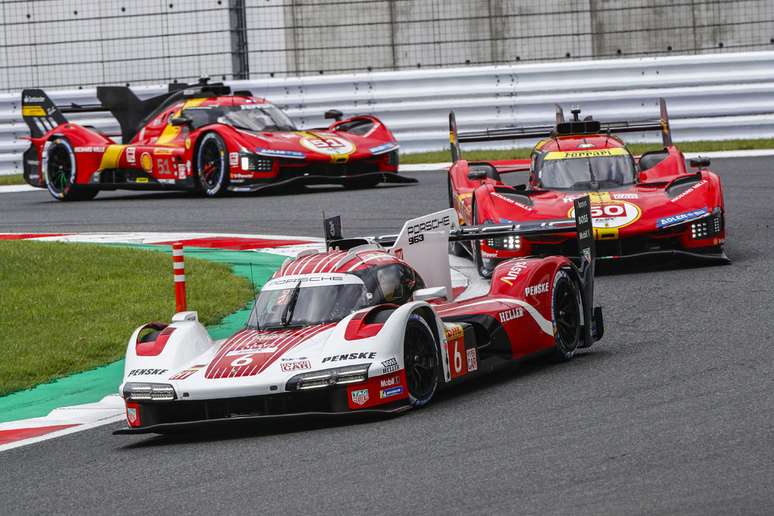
[[149, 392], [509, 243], [328, 377], [255, 163]]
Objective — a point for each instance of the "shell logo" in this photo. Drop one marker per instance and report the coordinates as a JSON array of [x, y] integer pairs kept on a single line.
[[146, 162], [612, 214], [327, 144]]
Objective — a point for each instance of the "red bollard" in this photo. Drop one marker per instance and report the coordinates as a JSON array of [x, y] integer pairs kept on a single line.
[[178, 269]]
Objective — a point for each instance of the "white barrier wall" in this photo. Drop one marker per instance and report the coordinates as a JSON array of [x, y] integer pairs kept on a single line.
[[710, 97]]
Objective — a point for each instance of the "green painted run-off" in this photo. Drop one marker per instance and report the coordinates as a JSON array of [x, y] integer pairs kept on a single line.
[[93, 385]]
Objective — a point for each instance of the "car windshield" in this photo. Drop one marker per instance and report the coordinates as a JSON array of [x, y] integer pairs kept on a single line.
[[310, 299], [250, 117], [574, 171]]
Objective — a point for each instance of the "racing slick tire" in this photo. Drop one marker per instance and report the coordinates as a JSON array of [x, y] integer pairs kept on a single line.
[[421, 361], [566, 307], [59, 173], [212, 169]]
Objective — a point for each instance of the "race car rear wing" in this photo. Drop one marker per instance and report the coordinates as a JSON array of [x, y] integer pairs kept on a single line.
[[562, 128], [41, 114]]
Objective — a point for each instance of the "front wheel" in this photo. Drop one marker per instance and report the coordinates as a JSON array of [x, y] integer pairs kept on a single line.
[[212, 169], [566, 306], [59, 173], [420, 360]]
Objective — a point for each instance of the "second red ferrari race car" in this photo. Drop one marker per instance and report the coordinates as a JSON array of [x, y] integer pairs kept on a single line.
[[201, 137], [642, 206], [372, 326]]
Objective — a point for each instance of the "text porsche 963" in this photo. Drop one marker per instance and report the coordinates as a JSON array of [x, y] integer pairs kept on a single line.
[[370, 326], [200, 137], [648, 205]]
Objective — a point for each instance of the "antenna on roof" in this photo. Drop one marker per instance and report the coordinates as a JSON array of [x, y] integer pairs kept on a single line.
[[575, 113]]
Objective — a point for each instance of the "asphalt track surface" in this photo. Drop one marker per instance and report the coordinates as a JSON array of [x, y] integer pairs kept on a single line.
[[671, 413]]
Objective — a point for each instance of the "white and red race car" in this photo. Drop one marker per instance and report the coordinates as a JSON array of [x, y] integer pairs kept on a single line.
[[370, 326]]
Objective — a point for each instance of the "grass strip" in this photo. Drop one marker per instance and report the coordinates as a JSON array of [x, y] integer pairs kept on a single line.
[[66, 307], [13, 179]]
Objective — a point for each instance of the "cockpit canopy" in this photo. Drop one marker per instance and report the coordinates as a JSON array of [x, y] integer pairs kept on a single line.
[[302, 300], [591, 169], [249, 117]]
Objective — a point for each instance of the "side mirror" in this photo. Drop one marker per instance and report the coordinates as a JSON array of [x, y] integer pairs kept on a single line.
[[178, 121], [334, 114], [699, 162], [477, 175], [427, 294]]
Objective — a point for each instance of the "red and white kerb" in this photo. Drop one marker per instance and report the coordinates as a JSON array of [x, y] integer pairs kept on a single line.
[[178, 269]]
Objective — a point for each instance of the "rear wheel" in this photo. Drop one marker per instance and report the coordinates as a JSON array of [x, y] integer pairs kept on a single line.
[[420, 359], [60, 171], [567, 316], [212, 165]]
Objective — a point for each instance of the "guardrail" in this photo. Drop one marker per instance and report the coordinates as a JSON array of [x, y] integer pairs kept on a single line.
[[710, 97]]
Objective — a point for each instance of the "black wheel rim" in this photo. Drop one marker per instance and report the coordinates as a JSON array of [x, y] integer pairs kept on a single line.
[[210, 165], [420, 360], [60, 168], [567, 316]]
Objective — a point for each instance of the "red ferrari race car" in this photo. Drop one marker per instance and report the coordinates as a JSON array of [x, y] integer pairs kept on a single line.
[[371, 326], [201, 137], [642, 206]]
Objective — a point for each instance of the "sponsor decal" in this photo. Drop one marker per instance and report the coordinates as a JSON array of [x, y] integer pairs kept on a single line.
[[255, 347], [28, 99], [533, 290], [509, 200], [513, 313], [131, 155], [454, 331], [513, 273], [146, 372], [185, 373], [611, 214], [390, 365], [392, 391], [327, 144], [276, 153], [233, 159], [472, 360], [131, 415], [187, 143], [360, 396], [295, 365], [428, 225], [141, 180], [162, 152], [381, 149], [350, 356], [625, 195], [591, 153], [586, 146], [681, 217], [146, 162], [389, 382], [689, 190], [89, 149], [181, 171]]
